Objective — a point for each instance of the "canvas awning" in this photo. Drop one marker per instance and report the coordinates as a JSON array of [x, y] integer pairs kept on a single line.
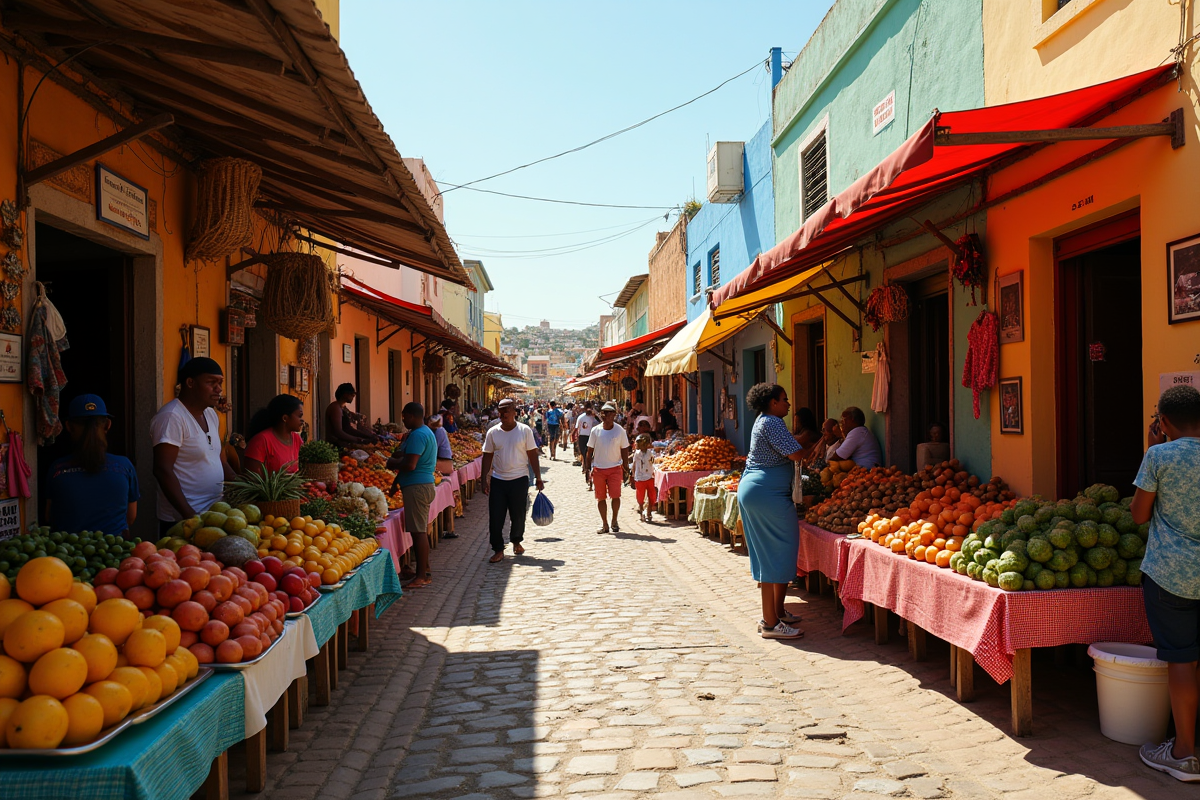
[[950, 150], [701, 334], [618, 354], [262, 80]]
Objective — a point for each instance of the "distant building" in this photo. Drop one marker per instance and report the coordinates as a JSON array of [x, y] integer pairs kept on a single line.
[[545, 324], [537, 366], [493, 329]]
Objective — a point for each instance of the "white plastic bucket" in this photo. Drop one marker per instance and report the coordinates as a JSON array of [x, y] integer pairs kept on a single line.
[[1131, 688]]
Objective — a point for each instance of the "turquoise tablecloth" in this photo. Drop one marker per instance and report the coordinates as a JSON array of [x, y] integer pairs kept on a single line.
[[165, 758], [375, 582]]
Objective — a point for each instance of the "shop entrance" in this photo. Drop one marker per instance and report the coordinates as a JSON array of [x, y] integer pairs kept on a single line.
[[1099, 359], [921, 354], [808, 365], [89, 285], [254, 379]]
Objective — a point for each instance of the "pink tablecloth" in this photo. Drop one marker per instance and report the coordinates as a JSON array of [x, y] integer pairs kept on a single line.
[[391, 534], [471, 471], [664, 482], [992, 624], [821, 551]]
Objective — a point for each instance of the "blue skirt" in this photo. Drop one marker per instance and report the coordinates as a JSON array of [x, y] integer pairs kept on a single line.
[[770, 523]]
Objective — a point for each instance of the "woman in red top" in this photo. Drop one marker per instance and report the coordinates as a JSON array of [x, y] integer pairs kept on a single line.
[[274, 435]]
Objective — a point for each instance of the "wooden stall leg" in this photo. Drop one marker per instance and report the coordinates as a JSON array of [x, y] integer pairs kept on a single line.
[[364, 626], [256, 762], [277, 724], [953, 666], [216, 785], [343, 648], [321, 674], [881, 625], [822, 583], [966, 675], [1022, 693], [916, 642], [297, 693], [837, 597]]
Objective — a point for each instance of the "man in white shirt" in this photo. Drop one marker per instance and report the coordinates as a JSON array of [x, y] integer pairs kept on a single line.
[[606, 460], [189, 460], [509, 453], [858, 443], [583, 429]]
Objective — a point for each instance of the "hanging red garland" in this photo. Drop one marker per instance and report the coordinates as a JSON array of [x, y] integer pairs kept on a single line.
[[969, 267], [982, 367], [888, 303]]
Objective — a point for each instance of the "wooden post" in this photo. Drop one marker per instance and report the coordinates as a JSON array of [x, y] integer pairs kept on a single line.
[[916, 641], [966, 675], [256, 762], [822, 583], [297, 693], [953, 666], [321, 675], [808, 583], [364, 627], [216, 785], [1022, 692], [343, 647], [881, 625], [277, 724]]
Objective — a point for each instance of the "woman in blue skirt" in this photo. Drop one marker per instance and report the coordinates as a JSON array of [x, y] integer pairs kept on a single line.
[[768, 514]]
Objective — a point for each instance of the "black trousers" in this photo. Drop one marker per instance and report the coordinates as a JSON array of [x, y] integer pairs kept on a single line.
[[507, 498]]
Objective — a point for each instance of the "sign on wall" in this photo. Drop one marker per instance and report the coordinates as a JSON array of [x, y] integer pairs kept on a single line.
[[10, 359], [884, 112], [1168, 379], [122, 203], [10, 518]]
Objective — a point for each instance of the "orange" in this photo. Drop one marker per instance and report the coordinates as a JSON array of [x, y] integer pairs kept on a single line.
[[12, 677], [84, 594], [39, 723], [10, 609], [193, 664], [73, 616], [7, 706], [44, 580], [100, 654], [278, 542], [268, 521], [116, 619], [943, 558], [59, 674], [180, 665], [330, 576], [85, 718], [145, 648], [154, 692], [168, 627], [5, 587], [169, 678], [115, 699], [32, 635], [297, 523], [136, 682]]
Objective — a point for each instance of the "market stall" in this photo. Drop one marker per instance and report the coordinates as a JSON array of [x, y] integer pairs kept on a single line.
[[684, 460], [822, 552]]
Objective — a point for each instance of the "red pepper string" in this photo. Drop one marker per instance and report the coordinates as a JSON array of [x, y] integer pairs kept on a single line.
[[888, 303], [982, 367], [969, 268]]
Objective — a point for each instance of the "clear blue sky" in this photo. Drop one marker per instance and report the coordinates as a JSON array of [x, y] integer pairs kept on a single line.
[[475, 88]]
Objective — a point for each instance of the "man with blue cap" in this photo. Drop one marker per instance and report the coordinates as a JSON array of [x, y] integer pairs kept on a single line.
[[91, 489]]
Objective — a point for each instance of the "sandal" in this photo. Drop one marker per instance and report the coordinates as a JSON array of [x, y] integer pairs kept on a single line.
[[603, 530], [418, 583], [616, 528]]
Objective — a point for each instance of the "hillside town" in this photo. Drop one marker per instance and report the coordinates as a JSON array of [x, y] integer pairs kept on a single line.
[[868, 468]]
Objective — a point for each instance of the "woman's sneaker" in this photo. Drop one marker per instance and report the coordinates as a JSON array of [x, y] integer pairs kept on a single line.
[[789, 617], [1158, 756], [781, 631]]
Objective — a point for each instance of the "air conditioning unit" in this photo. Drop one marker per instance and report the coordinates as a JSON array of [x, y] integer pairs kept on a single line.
[[725, 179]]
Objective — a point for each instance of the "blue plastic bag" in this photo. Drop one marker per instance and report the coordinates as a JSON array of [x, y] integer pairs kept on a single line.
[[543, 510]]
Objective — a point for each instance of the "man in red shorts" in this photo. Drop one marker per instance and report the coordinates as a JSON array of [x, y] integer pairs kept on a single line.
[[607, 459]]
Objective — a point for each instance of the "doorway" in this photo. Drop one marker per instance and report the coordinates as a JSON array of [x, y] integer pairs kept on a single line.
[[1099, 362], [808, 367], [754, 372], [362, 376], [929, 362], [89, 284], [708, 400], [254, 379]]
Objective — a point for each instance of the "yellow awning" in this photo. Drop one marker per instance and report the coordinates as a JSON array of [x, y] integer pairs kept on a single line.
[[701, 334], [760, 298]]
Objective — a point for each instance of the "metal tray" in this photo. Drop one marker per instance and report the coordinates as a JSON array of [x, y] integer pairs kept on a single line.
[[241, 665], [107, 736], [294, 614], [332, 587]]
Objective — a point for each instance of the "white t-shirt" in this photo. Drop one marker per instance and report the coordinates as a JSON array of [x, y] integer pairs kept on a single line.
[[643, 464], [510, 449], [585, 423], [861, 448], [606, 446], [198, 465]]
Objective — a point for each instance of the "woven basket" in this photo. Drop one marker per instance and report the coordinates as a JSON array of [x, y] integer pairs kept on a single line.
[[297, 299], [433, 363], [224, 219], [288, 509], [328, 473]]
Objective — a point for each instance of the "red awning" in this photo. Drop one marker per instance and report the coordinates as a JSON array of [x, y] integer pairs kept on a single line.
[[361, 289], [917, 172], [636, 345]]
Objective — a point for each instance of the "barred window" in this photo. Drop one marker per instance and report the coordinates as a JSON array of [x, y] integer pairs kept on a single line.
[[714, 268], [696, 278], [814, 182]]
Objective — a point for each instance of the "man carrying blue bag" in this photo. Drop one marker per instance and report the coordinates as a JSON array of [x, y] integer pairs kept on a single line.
[[509, 454]]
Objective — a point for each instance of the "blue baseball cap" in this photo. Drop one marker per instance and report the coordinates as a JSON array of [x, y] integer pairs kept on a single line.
[[87, 405]]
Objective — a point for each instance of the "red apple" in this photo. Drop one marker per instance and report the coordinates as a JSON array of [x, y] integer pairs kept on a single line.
[[129, 578], [140, 596], [144, 549], [266, 580], [293, 584], [105, 576], [251, 647], [274, 566], [255, 567], [296, 605], [314, 579], [214, 632], [174, 592], [108, 591]]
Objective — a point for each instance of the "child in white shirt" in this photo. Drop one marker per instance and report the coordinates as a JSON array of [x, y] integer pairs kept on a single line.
[[641, 478]]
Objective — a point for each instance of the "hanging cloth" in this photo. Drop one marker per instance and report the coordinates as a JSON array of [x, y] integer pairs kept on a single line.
[[18, 470], [185, 355], [44, 373], [883, 378]]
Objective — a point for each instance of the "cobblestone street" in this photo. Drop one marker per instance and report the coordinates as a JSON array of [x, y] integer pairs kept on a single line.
[[627, 665]]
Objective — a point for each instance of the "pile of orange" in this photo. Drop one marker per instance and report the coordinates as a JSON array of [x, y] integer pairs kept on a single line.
[[933, 527], [73, 666], [352, 472], [708, 453], [317, 547]]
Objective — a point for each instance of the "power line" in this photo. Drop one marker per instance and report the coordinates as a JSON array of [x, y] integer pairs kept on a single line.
[[538, 235], [568, 247], [550, 200], [636, 125]]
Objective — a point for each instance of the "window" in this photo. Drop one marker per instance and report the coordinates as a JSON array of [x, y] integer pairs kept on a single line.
[[696, 278], [814, 179], [714, 268], [1062, 3]]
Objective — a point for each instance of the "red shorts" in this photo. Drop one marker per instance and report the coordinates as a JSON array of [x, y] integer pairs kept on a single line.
[[607, 482], [646, 489]]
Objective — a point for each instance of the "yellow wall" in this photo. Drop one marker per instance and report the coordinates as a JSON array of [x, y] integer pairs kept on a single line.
[[1108, 39], [493, 329]]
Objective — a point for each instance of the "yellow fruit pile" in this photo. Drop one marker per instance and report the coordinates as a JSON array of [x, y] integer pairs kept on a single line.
[[709, 453], [836, 472], [73, 667], [305, 542]]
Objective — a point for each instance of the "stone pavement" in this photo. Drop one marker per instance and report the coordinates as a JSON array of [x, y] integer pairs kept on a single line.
[[627, 665]]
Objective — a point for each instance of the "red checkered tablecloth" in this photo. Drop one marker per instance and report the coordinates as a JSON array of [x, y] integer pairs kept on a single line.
[[990, 623], [821, 551], [664, 482]]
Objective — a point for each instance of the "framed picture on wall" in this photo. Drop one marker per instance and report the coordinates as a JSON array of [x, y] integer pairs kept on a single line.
[[200, 341], [1012, 307], [347, 354], [1183, 280], [1012, 419]]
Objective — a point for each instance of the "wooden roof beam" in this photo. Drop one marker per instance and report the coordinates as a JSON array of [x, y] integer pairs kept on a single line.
[[83, 155]]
